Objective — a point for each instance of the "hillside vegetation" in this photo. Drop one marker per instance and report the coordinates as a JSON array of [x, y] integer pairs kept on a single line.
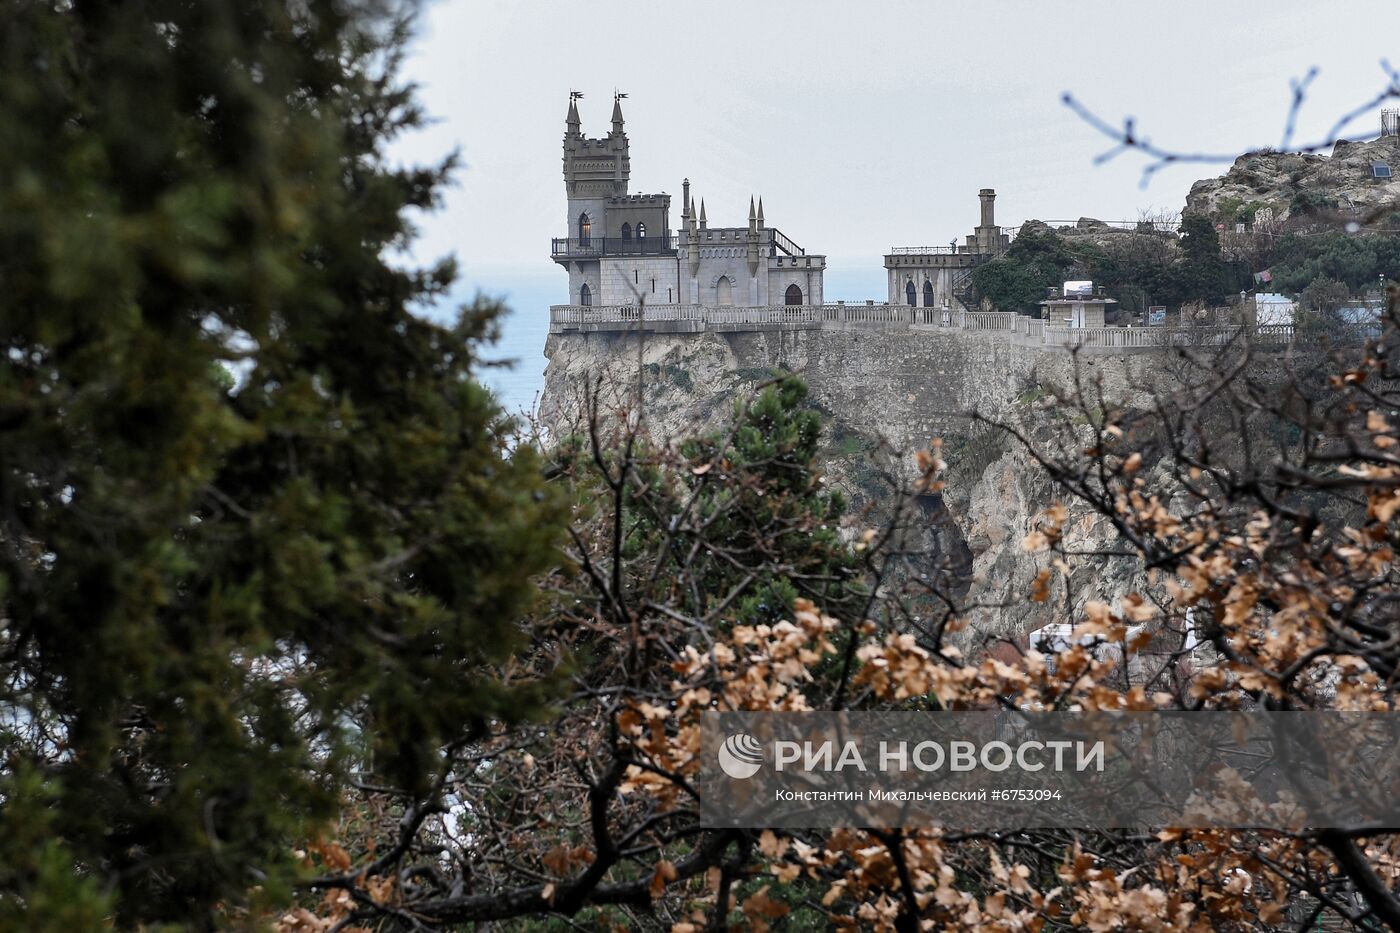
[[1302, 218]]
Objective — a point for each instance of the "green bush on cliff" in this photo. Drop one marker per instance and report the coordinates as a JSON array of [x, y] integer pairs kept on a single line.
[[1018, 281]]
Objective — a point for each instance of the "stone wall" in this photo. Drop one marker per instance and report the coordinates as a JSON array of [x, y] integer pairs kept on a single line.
[[903, 386], [623, 277]]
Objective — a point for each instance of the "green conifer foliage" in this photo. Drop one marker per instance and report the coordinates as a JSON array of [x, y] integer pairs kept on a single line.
[[221, 598]]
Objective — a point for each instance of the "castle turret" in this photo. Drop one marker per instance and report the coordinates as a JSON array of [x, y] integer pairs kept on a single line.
[[694, 253], [572, 122], [595, 168], [753, 251], [617, 115], [612, 235]]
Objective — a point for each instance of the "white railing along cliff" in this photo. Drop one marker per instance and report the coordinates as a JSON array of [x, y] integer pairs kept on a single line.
[[1017, 328]]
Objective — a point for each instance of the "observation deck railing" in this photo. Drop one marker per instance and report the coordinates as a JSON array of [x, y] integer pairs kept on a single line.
[[597, 246]]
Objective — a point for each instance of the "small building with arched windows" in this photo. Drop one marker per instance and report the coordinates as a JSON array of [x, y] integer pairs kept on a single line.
[[941, 276], [620, 249]]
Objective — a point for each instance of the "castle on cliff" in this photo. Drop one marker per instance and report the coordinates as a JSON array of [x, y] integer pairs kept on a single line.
[[629, 272], [620, 250]]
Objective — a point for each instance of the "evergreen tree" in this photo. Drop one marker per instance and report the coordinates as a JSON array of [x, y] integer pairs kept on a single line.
[[219, 597], [1359, 262], [1202, 274]]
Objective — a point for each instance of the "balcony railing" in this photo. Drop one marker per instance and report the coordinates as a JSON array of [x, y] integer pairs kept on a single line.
[[925, 250], [594, 247]]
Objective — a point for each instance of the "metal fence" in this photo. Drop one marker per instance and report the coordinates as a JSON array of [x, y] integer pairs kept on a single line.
[[594, 247]]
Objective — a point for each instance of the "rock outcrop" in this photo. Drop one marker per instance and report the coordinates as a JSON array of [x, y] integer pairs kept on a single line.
[[1294, 185]]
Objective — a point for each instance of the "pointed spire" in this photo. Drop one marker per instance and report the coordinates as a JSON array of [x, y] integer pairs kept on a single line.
[[760, 213], [753, 218], [617, 114], [571, 122], [702, 213]]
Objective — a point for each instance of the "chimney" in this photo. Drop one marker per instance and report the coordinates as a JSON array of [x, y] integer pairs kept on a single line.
[[988, 198]]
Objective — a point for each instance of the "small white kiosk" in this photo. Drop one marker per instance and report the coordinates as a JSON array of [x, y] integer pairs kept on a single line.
[[1077, 304]]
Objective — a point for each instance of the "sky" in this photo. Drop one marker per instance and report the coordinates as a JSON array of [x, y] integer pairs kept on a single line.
[[863, 125]]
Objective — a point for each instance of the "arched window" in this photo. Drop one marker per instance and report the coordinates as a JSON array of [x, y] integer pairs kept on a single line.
[[724, 292], [627, 231], [911, 294], [585, 230], [585, 295], [641, 231], [793, 295], [928, 294]]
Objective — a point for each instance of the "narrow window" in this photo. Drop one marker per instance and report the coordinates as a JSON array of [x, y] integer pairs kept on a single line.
[[653, 286], [585, 230], [911, 294], [641, 231], [627, 231], [793, 295], [585, 295], [928, 294], [636, 277]]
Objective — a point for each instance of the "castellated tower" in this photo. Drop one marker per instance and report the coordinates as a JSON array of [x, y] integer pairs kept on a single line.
[[618, 250], [594, 169]]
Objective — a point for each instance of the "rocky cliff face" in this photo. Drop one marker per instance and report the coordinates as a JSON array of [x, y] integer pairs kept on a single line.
[[996, 510], [885, 394], [1297, 184]]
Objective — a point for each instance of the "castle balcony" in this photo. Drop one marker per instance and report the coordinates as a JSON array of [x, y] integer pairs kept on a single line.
[[570, 249]]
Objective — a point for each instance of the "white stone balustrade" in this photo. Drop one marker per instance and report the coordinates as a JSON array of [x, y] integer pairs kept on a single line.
[[1015, 327]]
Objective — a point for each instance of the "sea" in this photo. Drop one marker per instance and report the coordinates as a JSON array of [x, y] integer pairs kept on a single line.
[[513, 367]]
